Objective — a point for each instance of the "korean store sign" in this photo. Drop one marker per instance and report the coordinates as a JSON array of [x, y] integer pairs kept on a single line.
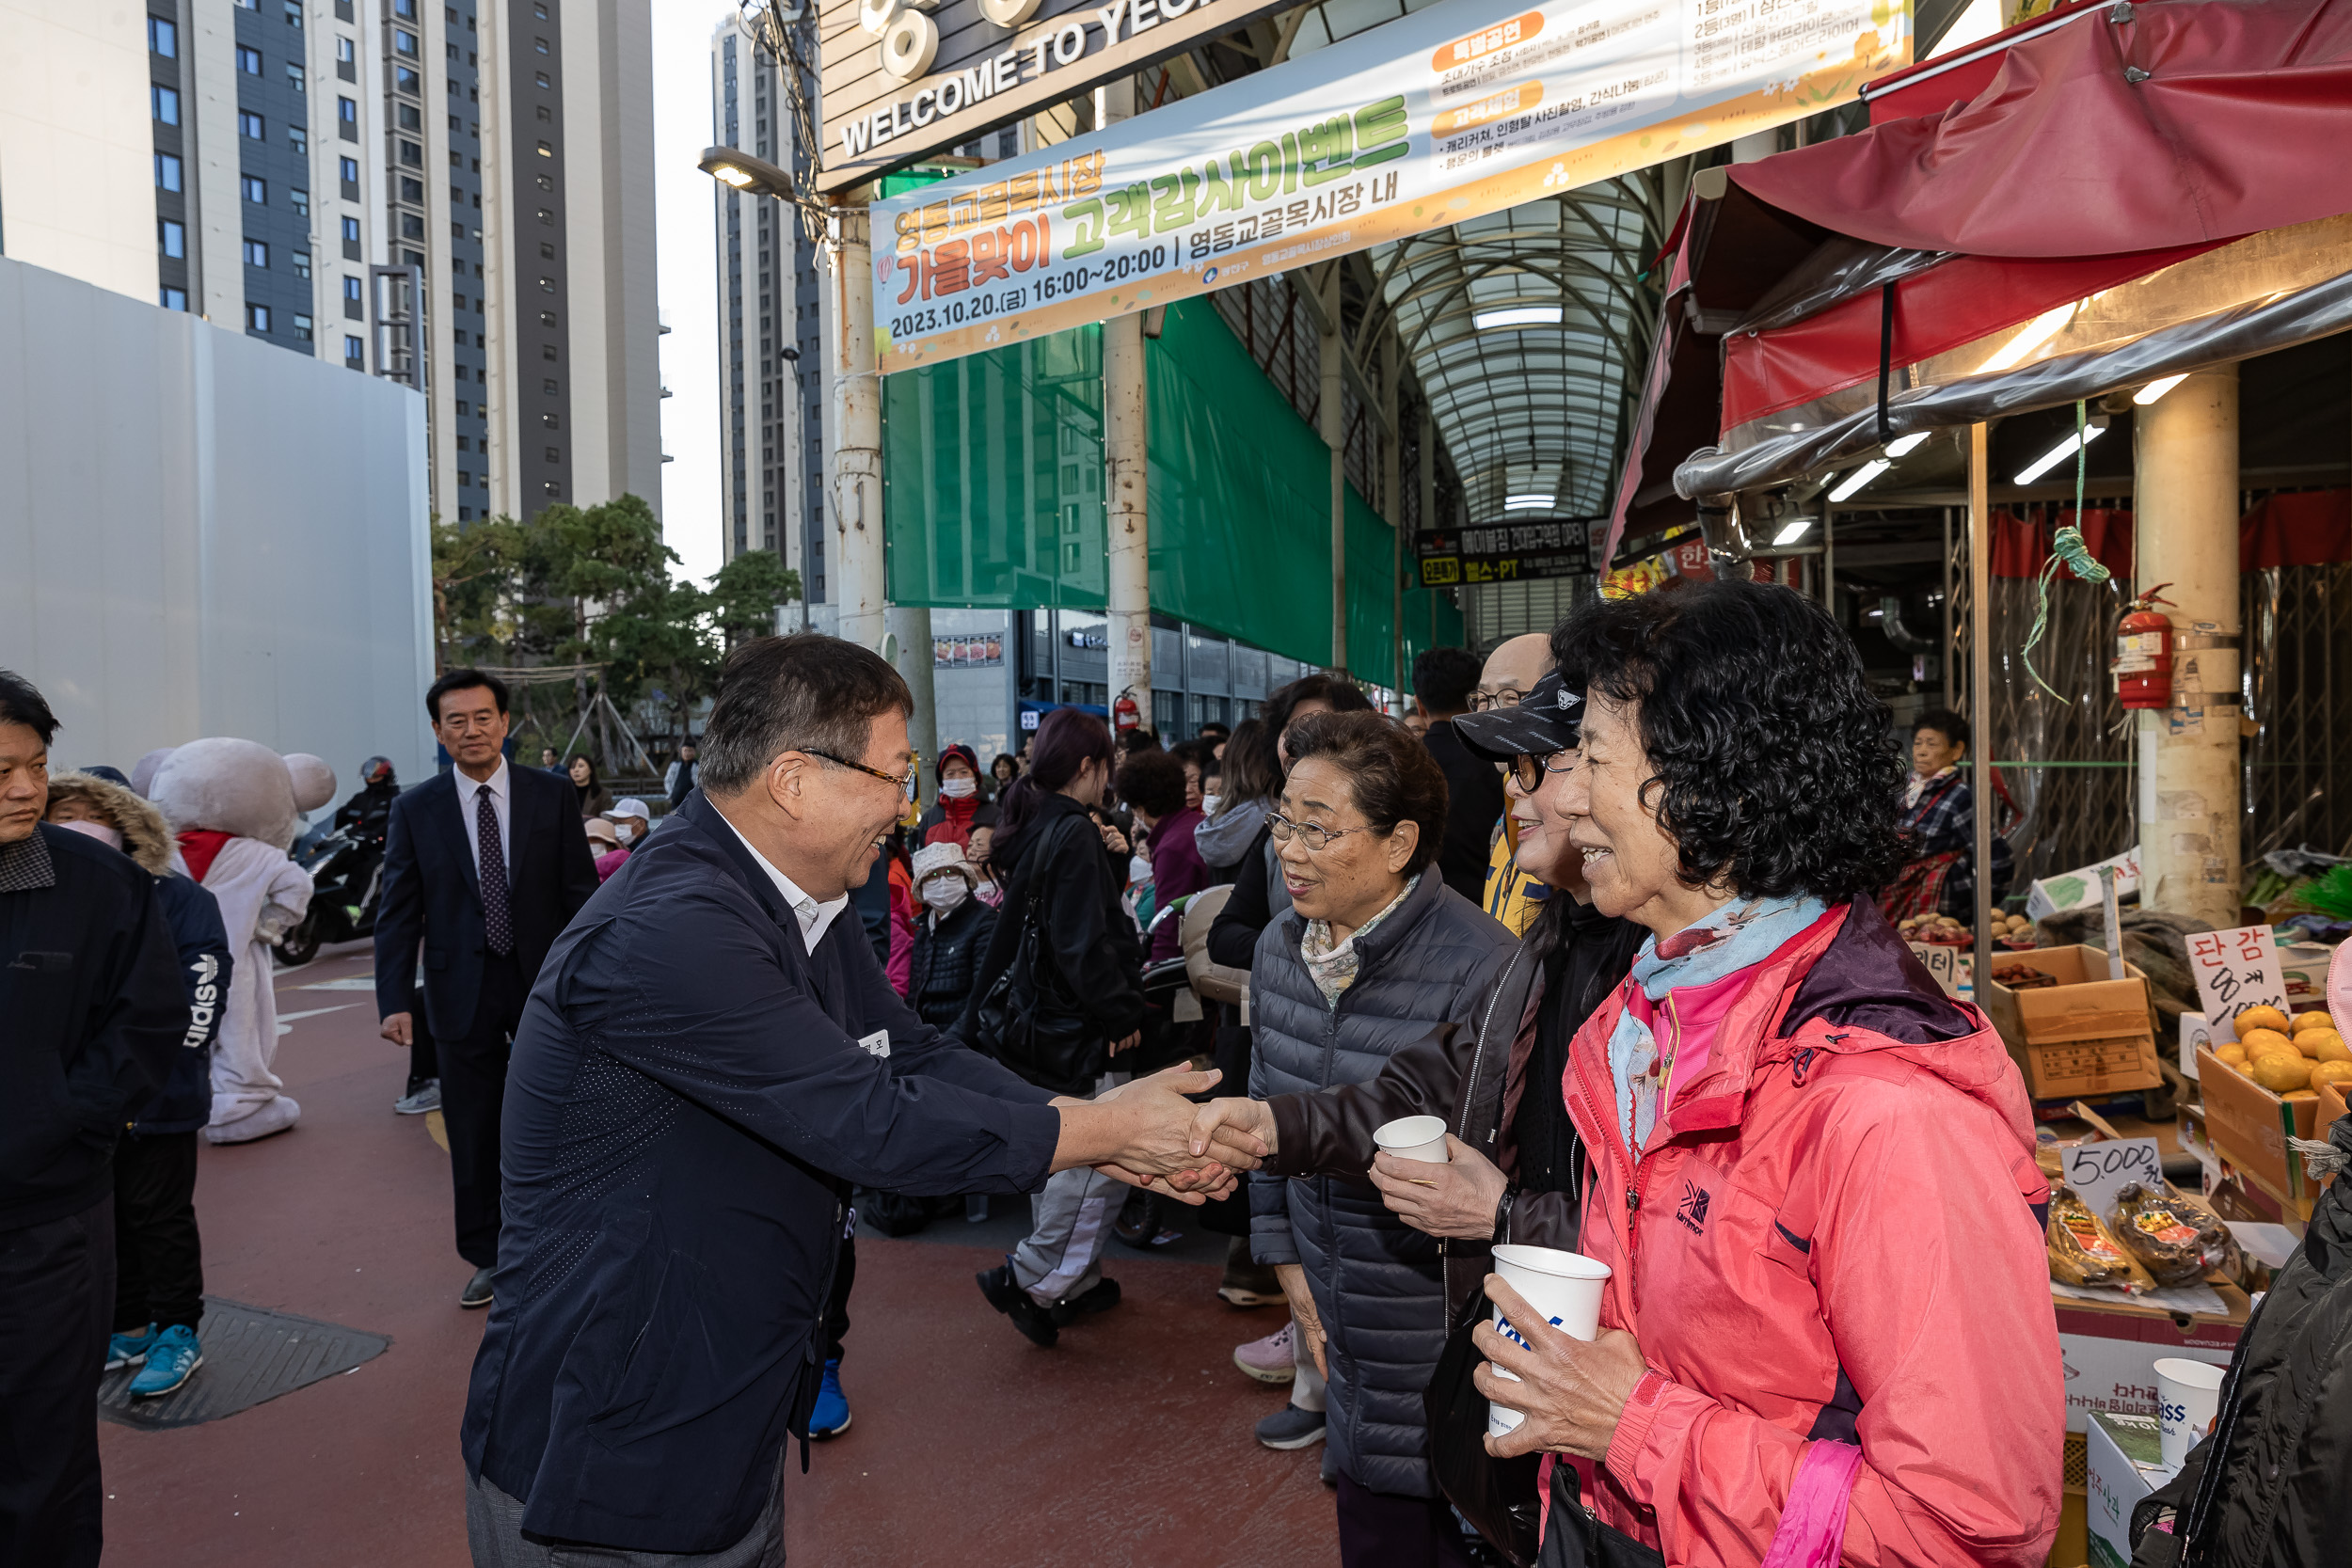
[[1467, 107], [1505, 551]]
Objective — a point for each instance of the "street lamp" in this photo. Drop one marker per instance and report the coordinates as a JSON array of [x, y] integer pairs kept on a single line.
[[739, 169]]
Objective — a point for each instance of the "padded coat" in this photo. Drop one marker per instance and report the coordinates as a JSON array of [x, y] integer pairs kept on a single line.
[[1377, 1283]]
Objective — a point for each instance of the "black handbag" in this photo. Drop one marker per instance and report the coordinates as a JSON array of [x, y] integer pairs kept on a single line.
[[1577, 1540], [1028, 1021], [1499, 1497]]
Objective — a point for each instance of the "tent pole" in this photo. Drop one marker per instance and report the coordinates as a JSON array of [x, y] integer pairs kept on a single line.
[[1980, 692]]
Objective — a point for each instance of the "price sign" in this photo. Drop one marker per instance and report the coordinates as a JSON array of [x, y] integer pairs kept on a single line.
[[2096, 1170], [2236, 970], [1940, 961]]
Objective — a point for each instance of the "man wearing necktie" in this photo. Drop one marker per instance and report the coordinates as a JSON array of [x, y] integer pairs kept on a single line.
[[484, 866]]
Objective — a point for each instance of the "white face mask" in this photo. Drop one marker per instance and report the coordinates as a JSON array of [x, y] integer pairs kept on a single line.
[[1209, 804], [1138, 869], [958, 787], [945, 894]]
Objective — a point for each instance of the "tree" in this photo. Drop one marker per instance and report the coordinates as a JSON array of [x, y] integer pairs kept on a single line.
[[744, 594], [474, 571]]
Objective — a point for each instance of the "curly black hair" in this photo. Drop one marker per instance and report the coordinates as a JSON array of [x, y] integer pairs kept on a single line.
[[1768, 751]]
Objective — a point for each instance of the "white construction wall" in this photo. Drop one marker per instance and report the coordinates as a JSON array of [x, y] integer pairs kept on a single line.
[[202, 534]]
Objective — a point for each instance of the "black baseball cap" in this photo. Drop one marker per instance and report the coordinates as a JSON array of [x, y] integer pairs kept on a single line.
[[1546, 720]]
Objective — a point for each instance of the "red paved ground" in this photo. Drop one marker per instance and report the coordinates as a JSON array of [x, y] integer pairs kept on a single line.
[[1130, 1444]]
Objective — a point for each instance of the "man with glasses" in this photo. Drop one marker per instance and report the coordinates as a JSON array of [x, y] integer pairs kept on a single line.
[[713, 1057], [483, 865], [1511, 671]]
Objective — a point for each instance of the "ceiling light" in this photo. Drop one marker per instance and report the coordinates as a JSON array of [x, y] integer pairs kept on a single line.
[[1794, 530], [1859, 477], [2035, 332], [1519, 315], [2058, 453], [1903, 446], [732, 175], [1528, 503], [2155, 390]]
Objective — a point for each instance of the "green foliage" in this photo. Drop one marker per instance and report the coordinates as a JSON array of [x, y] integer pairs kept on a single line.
[[746, 592]]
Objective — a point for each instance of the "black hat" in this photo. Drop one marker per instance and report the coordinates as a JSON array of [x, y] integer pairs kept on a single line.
[[1545, 721]]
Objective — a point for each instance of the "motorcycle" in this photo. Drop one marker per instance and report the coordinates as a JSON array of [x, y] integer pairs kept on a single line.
[[347, 880]]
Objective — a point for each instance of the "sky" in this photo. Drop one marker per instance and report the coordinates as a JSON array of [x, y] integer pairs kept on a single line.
[[687, 278]]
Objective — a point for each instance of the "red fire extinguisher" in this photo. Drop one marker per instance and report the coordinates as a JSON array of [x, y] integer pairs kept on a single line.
[[2143, 653], [1125, 716]]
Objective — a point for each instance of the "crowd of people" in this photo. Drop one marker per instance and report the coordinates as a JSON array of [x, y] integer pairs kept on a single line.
[[1610, 908]]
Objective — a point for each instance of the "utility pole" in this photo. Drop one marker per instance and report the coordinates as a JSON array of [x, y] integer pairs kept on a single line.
[[857, 570], [1126, 443]]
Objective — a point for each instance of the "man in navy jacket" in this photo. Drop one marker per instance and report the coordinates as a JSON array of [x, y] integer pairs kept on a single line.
[[711, 1057], [483, 865]]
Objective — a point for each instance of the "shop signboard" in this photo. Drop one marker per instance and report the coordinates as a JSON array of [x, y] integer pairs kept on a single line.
[[967, 653], [2236, 970], [1513, 551], [907, 79], [1469, 107]]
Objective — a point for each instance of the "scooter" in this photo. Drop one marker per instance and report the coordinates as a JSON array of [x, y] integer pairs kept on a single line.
[[346, 878]]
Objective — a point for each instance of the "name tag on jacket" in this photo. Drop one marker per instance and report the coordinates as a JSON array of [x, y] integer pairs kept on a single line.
[[877, 1043]]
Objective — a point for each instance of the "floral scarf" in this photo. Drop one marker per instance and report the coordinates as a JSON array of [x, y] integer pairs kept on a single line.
[[1919, 786], [1333, 968], [1734, 937]]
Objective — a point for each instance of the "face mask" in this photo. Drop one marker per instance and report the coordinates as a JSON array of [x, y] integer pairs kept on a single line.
[[99, 830], [1209, 804], [945, 894], [1138, 869], [626, 833], [958, 787]]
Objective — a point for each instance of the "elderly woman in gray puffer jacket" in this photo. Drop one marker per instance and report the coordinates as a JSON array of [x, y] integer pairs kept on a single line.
[[1376, 952]]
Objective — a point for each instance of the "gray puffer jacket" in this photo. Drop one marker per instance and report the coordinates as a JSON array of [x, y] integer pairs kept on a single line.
[[1378, 1284]]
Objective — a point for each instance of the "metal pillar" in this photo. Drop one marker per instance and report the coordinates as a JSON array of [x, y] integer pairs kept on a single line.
[[908, 642], [1392, 503], [2186, 460], [1335, 438], [857, 575], [1128, 590], [1429, 498], [1980, 692]]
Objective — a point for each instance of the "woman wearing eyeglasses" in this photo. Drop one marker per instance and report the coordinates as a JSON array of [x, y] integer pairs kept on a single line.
[[1375, 953]]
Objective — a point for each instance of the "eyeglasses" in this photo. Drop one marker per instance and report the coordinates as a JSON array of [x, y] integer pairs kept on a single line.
[[1487, 702], [905, 782], [1528, 772], [1317, 839]]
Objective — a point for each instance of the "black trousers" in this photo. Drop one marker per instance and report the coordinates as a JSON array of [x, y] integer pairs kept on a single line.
[[473, 1093], [837, 1307], [56, 1294], [1381, 1530], [159, 1259], [424, 1057]]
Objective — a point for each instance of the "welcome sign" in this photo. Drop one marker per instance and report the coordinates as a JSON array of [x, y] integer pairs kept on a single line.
[[1469, 107]]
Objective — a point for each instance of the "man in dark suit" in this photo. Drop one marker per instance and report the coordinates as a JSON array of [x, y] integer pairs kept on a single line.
[[484, 866], [714, 1056]]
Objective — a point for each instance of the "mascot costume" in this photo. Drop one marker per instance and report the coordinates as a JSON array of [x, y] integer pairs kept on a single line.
[[234, 806]]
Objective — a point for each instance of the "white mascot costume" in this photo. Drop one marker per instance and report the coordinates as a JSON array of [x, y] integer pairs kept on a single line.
[[234, 805]]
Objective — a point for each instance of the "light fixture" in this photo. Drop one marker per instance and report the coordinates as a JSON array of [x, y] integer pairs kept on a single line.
[[2058, 453], [729, 174], [738, 170], [1903, 446], [1859, 477], [2155, 390], [1529, 503], [1518, 315], [2034, 334], [1794, 529]]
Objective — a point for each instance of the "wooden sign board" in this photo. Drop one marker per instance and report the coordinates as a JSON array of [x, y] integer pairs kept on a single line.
[[983, 75]]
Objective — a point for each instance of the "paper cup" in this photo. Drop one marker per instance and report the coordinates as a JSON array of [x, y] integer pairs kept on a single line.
[[1415, 1138], [1565, 1286], [2187, 1395]]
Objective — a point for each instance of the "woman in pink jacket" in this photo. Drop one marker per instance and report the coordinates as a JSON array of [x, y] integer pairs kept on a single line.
[[1827, 1334]]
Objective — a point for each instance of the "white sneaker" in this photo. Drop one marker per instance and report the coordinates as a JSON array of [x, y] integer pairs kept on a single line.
[[1270, 1359], [426, 1098]]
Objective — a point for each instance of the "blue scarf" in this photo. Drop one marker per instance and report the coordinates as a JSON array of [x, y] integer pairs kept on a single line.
[[1736, 937]]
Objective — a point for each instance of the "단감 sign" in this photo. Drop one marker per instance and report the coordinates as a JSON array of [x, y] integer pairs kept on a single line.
[[1467, 107], [2236, 970]]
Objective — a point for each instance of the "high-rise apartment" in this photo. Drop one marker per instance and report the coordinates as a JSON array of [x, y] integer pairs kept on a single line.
[[770, 344], [458, 196]]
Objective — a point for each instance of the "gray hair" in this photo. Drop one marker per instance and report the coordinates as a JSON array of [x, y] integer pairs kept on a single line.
[[806, 692]]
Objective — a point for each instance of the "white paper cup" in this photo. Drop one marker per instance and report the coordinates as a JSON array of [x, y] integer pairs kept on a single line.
[[1565, 1286], [1420, 1138], [2187, 1395]]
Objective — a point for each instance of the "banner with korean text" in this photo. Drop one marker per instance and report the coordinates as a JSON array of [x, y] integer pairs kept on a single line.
[[1471, 106]]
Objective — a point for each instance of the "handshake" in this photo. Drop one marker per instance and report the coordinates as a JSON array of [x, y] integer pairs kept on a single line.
[[1145, 1133]]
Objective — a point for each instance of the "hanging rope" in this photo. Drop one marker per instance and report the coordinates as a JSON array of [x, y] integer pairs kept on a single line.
[[2067, 548]]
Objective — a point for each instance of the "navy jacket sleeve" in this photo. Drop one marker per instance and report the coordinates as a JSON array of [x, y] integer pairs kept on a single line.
[[698, 1000], [399, 914]]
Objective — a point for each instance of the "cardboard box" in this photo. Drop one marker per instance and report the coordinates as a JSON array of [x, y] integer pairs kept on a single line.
[[2197, 1034], [2249, 1127], [2122, 1464], [2087, 1035], [2304, 967], [2109, 1349]]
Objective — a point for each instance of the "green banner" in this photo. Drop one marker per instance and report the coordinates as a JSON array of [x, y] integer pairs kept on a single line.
[[993, 469]]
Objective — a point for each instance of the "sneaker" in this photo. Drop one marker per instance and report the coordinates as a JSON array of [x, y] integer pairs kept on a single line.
[[1035, 1322], [830, 1417], [129, 1350], [171, 1360], [1270, 1359], [477, 1292], [1248, 1284], [1102, 1297], [1291, 1428], [416, 1101]]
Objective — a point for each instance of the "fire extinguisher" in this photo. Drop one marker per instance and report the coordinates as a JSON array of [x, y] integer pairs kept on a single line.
[[2143, 653], [1125, 716]]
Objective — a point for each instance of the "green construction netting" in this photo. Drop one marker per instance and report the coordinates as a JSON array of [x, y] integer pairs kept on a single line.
[[994, 468]]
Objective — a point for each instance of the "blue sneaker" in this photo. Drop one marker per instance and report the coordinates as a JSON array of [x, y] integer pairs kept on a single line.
[[171, 1360], [129, 1350], [831, 1418]]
